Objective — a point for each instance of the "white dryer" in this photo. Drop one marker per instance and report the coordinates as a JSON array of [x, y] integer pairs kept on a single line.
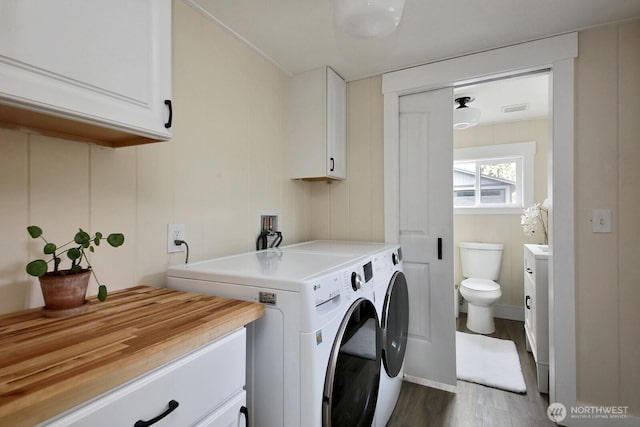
[[392, 305], [314, 358]]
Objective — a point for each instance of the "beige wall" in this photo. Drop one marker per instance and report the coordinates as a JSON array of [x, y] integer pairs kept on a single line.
[[354, 209], [226, 161], [503, 228], [607, 173]]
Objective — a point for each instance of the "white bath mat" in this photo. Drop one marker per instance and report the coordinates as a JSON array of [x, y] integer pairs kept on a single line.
[[489, 361]]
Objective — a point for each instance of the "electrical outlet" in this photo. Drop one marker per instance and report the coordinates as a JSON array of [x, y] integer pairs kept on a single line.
[[175, 232]]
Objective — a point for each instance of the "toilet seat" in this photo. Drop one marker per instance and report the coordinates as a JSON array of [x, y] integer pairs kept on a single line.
[[480, 285], [480, 291]]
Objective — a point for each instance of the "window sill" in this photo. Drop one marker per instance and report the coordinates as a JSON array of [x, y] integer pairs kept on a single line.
[[488, 211]]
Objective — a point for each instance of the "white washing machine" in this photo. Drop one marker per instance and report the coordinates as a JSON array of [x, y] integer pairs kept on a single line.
[[392, 305], [314, 358]]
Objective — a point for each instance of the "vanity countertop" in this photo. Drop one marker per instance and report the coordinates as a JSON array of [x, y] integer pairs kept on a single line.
[[50, 365]]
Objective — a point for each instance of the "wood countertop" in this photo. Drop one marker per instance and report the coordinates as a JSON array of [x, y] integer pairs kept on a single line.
[[50, 365]]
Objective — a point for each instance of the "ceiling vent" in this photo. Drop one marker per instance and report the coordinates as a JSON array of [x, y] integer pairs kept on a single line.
[[515, 108]]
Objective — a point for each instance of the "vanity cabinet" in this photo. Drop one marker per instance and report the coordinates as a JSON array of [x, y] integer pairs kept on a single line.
[[536, 310], [204, 388], [318, 132], [94, 70]]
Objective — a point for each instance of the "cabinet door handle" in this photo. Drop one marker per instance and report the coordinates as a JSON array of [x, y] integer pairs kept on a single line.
[[168, 103], [528, 270], [173, 404], [244, 411], [527, 302], [439, 247], [332, 162]]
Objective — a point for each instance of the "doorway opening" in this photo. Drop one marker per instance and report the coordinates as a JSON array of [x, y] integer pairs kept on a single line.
[[501, 167]]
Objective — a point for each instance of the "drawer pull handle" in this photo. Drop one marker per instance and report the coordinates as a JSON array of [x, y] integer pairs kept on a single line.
[[244, 411], [173, 404], [333, 164], [530, 271], [527, 302], [439, 247]]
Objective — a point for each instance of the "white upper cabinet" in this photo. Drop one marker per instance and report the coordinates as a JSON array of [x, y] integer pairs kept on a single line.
[[318, 132], [99, 64]]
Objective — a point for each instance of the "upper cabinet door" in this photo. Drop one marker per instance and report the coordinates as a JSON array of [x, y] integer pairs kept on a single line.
[[318, 125], [106, 63], [336, 126]]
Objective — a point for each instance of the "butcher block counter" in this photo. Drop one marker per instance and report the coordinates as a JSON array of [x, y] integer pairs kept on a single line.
[[48, 366]]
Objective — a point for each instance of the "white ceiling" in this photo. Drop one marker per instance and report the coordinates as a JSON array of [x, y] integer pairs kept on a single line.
[[299, 35], [491, 97]]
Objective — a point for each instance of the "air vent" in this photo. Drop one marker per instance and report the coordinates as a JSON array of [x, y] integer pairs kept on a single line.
[[515, 108]]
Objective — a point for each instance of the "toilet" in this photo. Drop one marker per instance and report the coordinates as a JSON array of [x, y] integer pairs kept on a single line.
[[481, 267]]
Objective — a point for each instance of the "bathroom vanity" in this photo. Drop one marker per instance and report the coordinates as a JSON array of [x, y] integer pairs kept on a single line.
[[536, 309]]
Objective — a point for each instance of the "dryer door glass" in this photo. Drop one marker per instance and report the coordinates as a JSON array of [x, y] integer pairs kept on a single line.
[[353, 375], [395, 324]]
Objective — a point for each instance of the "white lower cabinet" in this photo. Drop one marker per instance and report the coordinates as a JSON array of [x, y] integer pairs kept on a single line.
[[536, 310], [203, 388]]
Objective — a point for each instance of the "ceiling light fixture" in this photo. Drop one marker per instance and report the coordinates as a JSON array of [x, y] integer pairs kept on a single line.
[[368, 18], [464, 116]]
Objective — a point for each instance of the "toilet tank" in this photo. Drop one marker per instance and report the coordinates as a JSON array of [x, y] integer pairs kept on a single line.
[[481, 260]]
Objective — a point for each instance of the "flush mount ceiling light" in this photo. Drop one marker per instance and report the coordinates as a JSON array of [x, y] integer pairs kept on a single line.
[[464, 116], [368, 18]]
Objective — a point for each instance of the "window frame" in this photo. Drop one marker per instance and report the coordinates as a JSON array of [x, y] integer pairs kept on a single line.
[[522, 152]]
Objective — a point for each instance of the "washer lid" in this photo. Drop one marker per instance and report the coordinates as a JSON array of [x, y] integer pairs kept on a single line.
[[480, 285]]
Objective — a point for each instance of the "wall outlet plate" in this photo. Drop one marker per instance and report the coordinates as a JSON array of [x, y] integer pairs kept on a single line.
[[175, 232]]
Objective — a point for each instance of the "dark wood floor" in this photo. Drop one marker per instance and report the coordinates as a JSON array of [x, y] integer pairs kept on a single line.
[[475, 405]]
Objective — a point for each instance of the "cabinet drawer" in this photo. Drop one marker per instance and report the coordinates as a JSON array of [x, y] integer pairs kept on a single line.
[[200, 382], [229, 415], [530, 266]]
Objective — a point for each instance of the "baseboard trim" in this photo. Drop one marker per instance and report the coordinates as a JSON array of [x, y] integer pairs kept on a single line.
[[509, 312], [432, 384]]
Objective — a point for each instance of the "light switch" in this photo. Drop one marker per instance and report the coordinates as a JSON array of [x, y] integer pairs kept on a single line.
[[601, 220]]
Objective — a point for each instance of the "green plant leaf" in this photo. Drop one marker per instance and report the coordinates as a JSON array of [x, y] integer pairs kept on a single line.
[[37, 268], [96, 241], [49, 248], [102, 292], [76, 269], [91, 249], [74, 254], [82, 238], [34, 231], [98, 235], [115, 239]]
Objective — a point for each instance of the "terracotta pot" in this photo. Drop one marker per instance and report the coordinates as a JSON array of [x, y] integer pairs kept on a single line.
[[64, 291]]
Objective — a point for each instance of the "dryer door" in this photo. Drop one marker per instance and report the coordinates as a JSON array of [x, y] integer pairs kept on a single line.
[[395, 324], [353, 375]]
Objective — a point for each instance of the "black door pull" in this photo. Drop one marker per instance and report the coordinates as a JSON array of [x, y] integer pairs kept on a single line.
[[244, 411], [333, 164], [167, 102], [439, 247], [173, 404], [526, 302]]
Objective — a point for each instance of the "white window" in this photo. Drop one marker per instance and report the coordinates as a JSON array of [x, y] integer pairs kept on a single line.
[[493, 178]]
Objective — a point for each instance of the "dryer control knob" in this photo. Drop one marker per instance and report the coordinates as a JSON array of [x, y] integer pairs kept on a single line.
[[395, 259], [356, 281]]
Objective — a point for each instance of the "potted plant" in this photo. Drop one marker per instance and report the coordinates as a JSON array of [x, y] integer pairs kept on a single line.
[[64, 290]]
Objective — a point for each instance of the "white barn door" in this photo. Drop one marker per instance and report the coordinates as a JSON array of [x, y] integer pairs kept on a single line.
[[426, 234]]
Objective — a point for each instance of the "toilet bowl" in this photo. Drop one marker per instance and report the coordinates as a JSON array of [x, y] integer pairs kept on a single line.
[[481, 266]]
